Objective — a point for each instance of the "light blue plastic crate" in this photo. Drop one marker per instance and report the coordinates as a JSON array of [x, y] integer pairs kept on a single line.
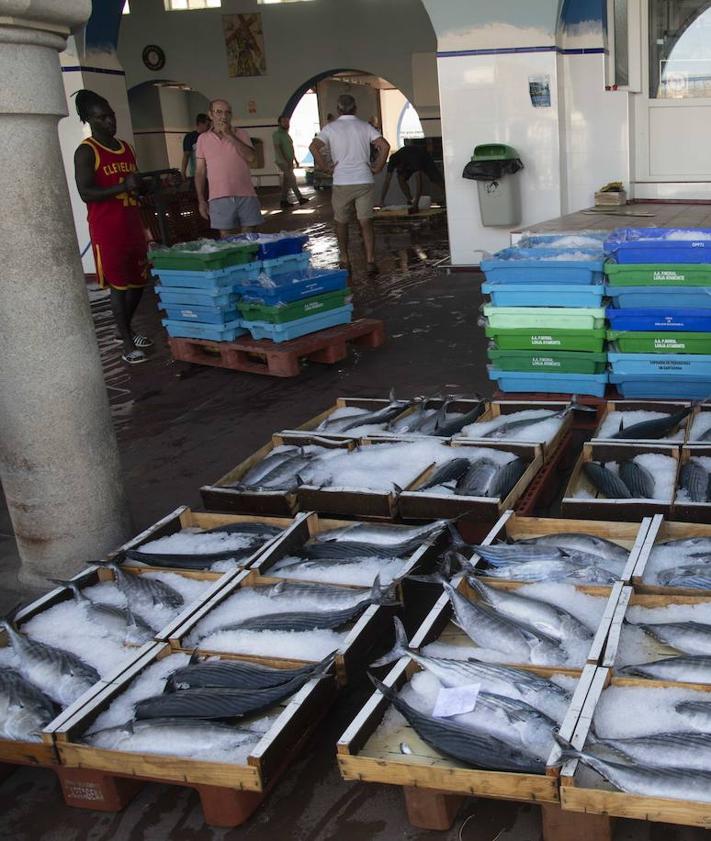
[[683, 297], [544, 294], [660, 245], [205, 315], [185, 296], [282, 269], [198, 330], [220, 280], [543, 265], [512, 381], [304, 285], [300, 326], [663, 386], [658, 318], [671, 364], [561, 240]]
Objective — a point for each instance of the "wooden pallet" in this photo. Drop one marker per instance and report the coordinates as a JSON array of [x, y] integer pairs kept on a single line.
[[282, 359]]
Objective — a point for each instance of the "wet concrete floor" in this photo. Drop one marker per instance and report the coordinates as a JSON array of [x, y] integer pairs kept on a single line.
[[181, 426]]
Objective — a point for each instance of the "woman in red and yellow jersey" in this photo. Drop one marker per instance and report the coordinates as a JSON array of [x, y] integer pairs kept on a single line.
[[108, 181]]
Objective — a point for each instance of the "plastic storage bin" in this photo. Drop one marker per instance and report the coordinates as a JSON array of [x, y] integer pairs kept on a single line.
[[594, 240], [209, 315], [545, 318], [185, 296], [593, 384], [660, 245], [299, 327], [303, 285], [684, 297], [254, 311], [524, 338], [544, 294], [661, 386], [198, 330], [273, 245], [671, 365], [629, 341], [657, 274], [529, 265], [289, 265], [186, 255], [557, 362], [217, 280], [652, 320]]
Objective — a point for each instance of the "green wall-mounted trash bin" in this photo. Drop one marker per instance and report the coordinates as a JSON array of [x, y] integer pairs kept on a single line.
[[494, 166]]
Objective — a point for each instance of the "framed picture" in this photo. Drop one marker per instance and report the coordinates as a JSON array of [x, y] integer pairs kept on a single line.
[[244, 42]]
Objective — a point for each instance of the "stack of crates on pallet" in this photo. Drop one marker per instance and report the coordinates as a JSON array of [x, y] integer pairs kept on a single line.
[[546, 316], [197, 287], [659, 285], [287, 298]]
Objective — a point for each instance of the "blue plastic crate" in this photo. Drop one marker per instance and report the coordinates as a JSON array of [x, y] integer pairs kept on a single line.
[[282, 269], [670, 364], [510, 381], [199, 330], [660, 245], [220, 280], [185, 296], [662, 386], [562, 240], [652, 319], [274, 245], [543, 265], [544, 294], [303, 285], [684, 297], [205, 315], [300, 326]]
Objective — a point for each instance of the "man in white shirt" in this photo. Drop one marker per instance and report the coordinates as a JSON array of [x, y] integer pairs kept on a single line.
[[347, 142]]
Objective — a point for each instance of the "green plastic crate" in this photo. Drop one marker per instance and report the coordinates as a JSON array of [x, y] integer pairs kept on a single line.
[[298, 309], [546, 318], [658, 274], [629, 341], [554, 362], [186, 256], [542, 339]]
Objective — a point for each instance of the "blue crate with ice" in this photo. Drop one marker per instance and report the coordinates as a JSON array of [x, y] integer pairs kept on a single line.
[[659, 245], [669, 364], [565, 240], [300, 326], [303, 285], [207, 315], [217, 280], [662, 385], [544, 265], [544, 294], [641, 297], [283, 269], [200, 330], [274, 245], [651, 319], [185, 296], [517, 381]]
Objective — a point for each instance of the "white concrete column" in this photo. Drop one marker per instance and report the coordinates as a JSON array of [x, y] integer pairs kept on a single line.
[[59, 462]]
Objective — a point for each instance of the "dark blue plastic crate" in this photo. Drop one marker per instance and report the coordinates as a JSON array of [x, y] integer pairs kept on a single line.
[[303, 285], [658, 318], [684, 297], [536, 265], [662, 386], [274, 245], [660, 245]]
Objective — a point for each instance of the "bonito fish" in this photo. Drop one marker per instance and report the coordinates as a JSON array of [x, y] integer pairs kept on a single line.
[[687, 637], [587, 543], [691, 669], [144, 588], [24, 709], [671, 750], [652, 429], [605, 481]]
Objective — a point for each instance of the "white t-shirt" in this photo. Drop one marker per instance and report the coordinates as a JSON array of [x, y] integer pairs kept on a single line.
[[348, 139]]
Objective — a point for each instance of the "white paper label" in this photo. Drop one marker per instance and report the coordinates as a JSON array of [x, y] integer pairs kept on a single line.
[[456, 701]]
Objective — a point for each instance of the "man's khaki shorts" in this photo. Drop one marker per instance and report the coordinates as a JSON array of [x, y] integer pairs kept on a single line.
[[347, 196]]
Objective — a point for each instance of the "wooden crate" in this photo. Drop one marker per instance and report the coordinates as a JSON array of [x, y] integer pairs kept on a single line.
[[426, 505], [613, 509], [96, 778], [364, 634], [687, 511], [497, 408], [218, 497], [660, 531], [183, 518], [576, 797], [512, 527], [670, 407], [372, 404], [698, 409]]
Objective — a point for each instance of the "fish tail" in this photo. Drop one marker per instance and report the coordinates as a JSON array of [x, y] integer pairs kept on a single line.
[[382, 595], [323, 667], [576, 406], [8, 619], [400, 649], [387, 691], [69, 584], [567, 751]]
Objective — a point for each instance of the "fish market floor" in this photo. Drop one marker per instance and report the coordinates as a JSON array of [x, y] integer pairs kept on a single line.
[[181, 427]]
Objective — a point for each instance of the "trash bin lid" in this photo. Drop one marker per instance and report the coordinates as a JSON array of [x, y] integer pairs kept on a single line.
[[494, 152]]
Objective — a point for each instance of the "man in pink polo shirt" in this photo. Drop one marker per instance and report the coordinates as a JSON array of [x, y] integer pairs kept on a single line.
[[222, 158]]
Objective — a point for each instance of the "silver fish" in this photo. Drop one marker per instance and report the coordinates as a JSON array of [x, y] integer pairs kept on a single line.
[[638, 479], [588, 543], [513, 425], [505, 480], [24, 709], [142, 587], [552, 570], [687, 637], [652, 429], [478, 478], [687, 668], [670, 750], [381, 535], [450, 471], [381, 416], [699, 544], [268, 464], [697, 713], [605, 481], [695, 480], [497, 554], [690, 576], [444, 428]]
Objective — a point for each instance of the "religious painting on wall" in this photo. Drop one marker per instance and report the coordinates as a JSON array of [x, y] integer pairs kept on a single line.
[[244, 42]]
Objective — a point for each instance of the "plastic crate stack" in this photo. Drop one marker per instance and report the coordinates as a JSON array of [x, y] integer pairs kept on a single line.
[[197, 287], [282, 297], [659, 286], [546, 318]]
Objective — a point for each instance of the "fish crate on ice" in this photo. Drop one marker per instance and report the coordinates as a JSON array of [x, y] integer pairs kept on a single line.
[[435, 418], [243, 537], [669, 549], [659, 245], [231, 493], [692, 500], [360, 625], [655, 462], [103, 772], [700, 427], [618, 708], [423, 500], [345, 411], [648, 420], [545, 265]]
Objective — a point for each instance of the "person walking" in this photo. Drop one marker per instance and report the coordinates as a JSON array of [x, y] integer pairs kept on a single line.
[[187, 167], [347, 142], [222, 159], [108, 181], [410, 160], [286, 161]]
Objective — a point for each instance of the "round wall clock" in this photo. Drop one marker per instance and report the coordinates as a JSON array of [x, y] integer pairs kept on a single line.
[[153, 57]]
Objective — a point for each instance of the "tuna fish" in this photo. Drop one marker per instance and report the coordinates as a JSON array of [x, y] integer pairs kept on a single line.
[[605, 481], [552, 570], [445, 428], [670, 750], [515, 424], [689, 576], [506, 478], [450, 471], [478, 478], [638, 479], [695, 481], [691, 669], [24, 709], [687, 637], [652, 429], [270, 463], [381, 535], [697, 713], [143, 587], [588, 543], [380, 416]]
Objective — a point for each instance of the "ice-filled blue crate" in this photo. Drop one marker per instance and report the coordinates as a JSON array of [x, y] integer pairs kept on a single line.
[[659, 318], [512, 381], [670, 364], [544, 294], [660, 245], [274, 245], [185, 296], [282, 269], [205, 315], [300, 326], [199, 330], [303, 285], [219, 280], [544, 265], [572, 239], [684, 297], [663, 386]]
